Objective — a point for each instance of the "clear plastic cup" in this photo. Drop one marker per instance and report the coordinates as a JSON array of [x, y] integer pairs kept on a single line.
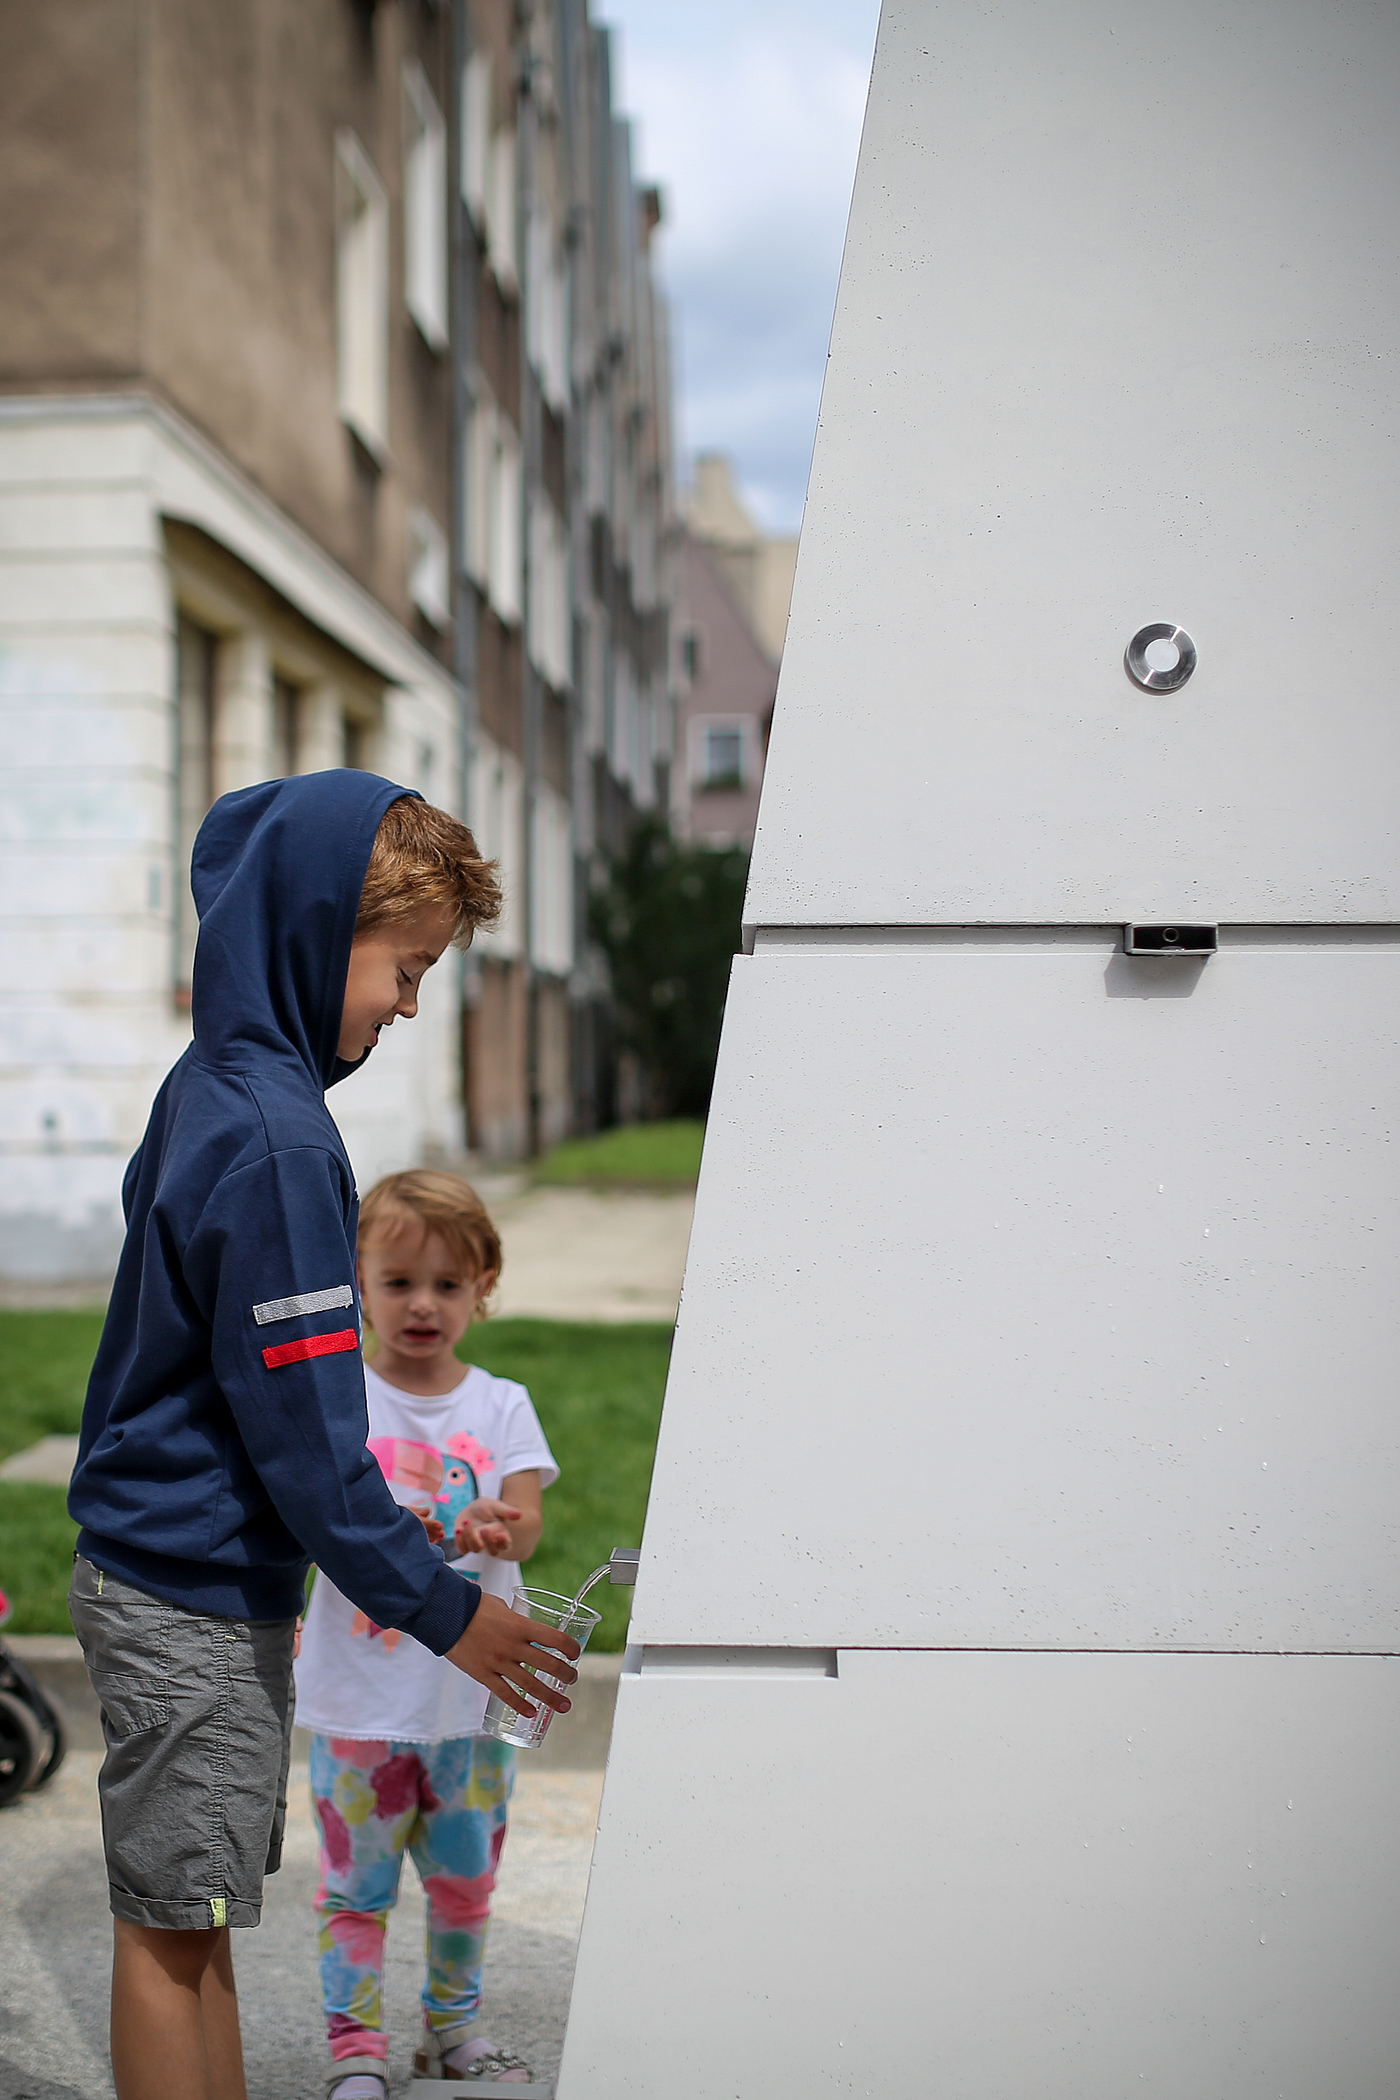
[[528, 1730]]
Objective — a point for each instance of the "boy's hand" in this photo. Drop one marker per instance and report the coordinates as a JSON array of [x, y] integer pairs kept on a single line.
[[502, 1647], [483, 1527]]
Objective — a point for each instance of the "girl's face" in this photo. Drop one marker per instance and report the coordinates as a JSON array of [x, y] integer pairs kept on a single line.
[[417, 1296]]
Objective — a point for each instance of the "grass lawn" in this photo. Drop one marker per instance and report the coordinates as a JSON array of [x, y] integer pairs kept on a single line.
[[598, 1392], [45, 1358], [639, 1155], [36, 1556]]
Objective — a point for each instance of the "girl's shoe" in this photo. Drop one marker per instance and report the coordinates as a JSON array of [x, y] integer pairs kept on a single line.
[[470, 2060], [358, 2078]]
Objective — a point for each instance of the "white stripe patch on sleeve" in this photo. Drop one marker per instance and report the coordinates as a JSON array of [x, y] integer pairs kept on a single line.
[[305, 1302]]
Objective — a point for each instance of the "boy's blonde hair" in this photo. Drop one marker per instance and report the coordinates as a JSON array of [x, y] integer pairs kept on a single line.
[[422, 856], [440, 1203]]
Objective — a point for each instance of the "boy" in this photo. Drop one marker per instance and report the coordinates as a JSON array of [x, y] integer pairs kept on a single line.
[[223, 1438]]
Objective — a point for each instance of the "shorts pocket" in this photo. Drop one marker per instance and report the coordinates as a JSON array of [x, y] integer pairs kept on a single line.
[[129, 1706], [126, 1639]]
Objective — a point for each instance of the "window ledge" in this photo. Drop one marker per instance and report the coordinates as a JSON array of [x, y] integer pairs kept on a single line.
[[374, 447]]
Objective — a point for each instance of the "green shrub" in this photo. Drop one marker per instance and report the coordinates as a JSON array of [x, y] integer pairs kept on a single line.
[[668, 918]]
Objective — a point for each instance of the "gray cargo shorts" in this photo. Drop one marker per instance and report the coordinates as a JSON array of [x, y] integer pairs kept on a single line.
[[197, 1718]]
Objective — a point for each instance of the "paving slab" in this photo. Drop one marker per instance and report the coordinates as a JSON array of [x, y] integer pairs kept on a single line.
[[573, 1254], [56, 1933], [576, 1742], [592, 1254], [532, 2089], [570, 1254], [50, 1462]]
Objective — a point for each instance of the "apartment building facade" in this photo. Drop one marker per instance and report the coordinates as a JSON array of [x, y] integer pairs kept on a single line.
[[568, 537], [290, 477]]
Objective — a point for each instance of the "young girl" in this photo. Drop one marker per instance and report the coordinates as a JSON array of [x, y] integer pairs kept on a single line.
[[397, 1761]]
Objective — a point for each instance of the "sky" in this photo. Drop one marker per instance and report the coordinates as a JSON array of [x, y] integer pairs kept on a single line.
[[748, 115]]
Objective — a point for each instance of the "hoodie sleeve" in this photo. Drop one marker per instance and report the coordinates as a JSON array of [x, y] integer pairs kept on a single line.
[[270, 1267]]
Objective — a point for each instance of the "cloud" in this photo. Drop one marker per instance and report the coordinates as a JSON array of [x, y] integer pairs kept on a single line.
[[749, 117]]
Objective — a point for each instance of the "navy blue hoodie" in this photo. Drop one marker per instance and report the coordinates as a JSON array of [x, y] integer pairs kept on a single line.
[[223, 1439]]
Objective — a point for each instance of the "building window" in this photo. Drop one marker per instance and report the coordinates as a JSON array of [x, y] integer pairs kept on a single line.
[[476, 136], [362, 295], [690, 654], [724, 758], [547, 312], [491, 553], [505, 522], [360, 741], [500, 210], [552, 884], [286, 727], [197, 699], [550, 635], [428, 582], [497, 821], [425, 209]]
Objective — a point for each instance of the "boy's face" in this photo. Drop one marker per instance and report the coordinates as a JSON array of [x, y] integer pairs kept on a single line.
[[416, 1295], [385, 969]]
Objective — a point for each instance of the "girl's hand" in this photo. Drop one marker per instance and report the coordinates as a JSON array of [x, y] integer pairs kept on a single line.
[[484, 1527], [431, 1524]]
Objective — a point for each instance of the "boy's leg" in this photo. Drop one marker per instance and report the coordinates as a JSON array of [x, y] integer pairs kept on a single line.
[[365, 1796], [174, 2015], [456, 1849], [223, 2041], [196, 1714]]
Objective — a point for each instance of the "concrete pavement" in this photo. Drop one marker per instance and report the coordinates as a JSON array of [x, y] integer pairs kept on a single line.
[[575, 1254], [591, 1254], [576, 1743], [50, 1462], [570, 1254], [56, 1936]]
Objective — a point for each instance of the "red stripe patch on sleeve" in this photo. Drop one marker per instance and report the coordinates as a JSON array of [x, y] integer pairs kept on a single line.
[[310, 1345]]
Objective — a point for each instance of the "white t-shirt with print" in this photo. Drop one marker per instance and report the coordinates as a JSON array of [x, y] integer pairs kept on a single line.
[[371, 1684]]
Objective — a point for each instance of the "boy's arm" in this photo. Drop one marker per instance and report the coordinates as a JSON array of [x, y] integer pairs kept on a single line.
[[269, 1266]]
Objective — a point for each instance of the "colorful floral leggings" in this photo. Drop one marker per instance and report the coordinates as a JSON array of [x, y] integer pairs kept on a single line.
[[446, 1804]]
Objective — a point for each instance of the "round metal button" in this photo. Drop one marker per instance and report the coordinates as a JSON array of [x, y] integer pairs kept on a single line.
[[1143, 673]]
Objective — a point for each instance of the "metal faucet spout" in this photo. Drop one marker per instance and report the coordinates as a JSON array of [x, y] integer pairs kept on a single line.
[[620, 1568]]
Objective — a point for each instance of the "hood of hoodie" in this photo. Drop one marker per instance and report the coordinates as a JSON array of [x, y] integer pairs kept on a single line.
[[277, 873]]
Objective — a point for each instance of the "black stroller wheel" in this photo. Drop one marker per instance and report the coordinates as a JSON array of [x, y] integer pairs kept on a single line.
[[56, 1748], [23, 1750], [20, 1683]]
